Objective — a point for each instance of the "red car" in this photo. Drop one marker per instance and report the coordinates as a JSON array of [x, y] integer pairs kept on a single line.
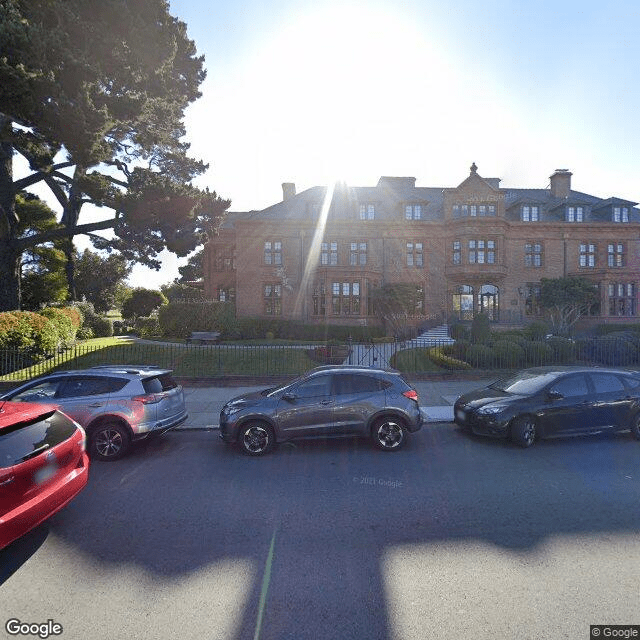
[[43, 465]]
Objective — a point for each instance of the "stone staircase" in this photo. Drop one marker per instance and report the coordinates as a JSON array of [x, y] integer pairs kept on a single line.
[[437, 336]]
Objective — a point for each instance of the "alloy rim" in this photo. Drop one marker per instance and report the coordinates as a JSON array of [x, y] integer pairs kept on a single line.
[[108, 442], [256, 439], [390, 435]]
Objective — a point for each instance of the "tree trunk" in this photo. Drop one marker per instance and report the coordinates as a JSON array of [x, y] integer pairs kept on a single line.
[[9, 255], [70, 268]]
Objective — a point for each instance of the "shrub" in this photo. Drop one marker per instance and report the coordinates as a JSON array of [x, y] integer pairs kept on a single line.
[[148, 327], [29, 332], [537, 353], [508, 354], [85, 333], [536, 330], [480, 356], [614, 350], [459, 331], [440, 358], [563, 349], [331, 354], [480, 329], [63, 323]]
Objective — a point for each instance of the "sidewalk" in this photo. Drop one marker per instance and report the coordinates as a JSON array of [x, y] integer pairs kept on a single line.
[[436, 400]]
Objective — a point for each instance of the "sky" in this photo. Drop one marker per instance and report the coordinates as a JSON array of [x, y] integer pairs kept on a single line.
[[310, 92]]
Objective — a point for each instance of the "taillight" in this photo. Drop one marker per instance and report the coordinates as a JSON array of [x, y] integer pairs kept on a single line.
[[150, 398], [82, 443], [412, 394]]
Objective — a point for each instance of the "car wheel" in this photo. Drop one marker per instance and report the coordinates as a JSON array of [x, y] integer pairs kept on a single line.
[[388, 434], [635, 426], [524, 431], [256, 438], [109, 441]]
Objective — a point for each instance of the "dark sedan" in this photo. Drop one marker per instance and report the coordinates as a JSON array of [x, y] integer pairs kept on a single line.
[[553, 401]]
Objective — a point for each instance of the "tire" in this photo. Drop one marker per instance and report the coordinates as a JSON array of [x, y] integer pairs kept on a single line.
[[256, 438], [388, 434], [524, 431], [109, 441], [635, 426]]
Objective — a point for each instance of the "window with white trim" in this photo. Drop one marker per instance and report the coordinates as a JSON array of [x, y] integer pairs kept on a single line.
[[620, 214], [358, 254], [413, 212], [530, 213], [367, 211], [457, 252], [345, 298], [533, 254], [414, 254], [273, 252], [622, 299], [587, 254], [329, 254], [574, 214], [482, 251], [615, 254]]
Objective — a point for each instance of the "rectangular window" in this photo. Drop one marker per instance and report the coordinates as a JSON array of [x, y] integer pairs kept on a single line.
[[273, 253], [226, 295], [530, 213], [319, 299], [358, 254], [620, 214], [587, 255], [457, 252], [413, 212], [273, 299], [533, 254], [622, 299], [575, 214], [482, 252], [414, 254], [615, 254], [329, 254], [345, 298], [367, 211], [532, 299]]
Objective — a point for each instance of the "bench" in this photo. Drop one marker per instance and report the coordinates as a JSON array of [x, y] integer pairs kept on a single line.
[[203, 337]]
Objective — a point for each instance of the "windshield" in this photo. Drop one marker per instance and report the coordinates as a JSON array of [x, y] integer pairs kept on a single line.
[[524, 382]]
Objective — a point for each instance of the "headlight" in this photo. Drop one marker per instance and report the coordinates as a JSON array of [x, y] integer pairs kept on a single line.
[[491, 409], [230, 409]]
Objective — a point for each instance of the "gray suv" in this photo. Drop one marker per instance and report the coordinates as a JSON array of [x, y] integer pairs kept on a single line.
[[334, 401], [114, 404]]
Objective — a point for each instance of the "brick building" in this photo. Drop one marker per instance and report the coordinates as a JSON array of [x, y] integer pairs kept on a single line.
[[474, 247]]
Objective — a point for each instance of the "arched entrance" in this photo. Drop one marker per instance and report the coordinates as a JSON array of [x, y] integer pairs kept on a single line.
[[489, 301]]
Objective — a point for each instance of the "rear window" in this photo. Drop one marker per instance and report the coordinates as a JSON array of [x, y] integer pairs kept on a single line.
[[29, 439], [344, 384], [160, 383]]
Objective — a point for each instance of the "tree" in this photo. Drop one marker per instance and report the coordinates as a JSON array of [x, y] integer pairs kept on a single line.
[[142, 302], [42, 276], [566, 300], [193, 271], [93, 96], [99, 277], [395, 303]]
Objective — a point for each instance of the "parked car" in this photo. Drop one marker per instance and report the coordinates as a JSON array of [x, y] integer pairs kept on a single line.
[[43, 465], [553, 401], [114, 404], [338, 400]]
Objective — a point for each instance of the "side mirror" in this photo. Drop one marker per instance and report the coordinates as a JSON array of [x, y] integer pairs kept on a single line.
[[554, 395]]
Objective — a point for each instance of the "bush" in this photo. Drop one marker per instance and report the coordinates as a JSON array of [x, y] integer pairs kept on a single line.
[[459, 331], [605, 329], [102, 327], [480, 356], [85, 333], [538, 353], [563, 349], [536, 330], [439, 357], [63, 323], [330, 354], [148, 327], [480, 329], [614, 351], [508, 355], [29, 332]]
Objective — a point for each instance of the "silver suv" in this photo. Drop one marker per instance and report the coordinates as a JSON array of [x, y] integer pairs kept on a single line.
[[339, 400], [115, 404]]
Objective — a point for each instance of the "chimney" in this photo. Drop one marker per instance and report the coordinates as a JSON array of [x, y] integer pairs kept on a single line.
[[288, 190], [561, 183]]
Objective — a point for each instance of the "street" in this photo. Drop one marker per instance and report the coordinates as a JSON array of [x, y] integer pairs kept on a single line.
[[451, 537]]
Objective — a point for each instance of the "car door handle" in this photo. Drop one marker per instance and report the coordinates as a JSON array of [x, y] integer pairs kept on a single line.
[[9, 480], [326, 402], [97, 404]]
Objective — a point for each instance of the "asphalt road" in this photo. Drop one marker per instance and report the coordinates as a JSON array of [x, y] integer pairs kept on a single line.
[[452, 537]]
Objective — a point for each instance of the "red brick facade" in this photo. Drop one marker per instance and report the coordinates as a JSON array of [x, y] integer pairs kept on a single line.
[[473, 247]]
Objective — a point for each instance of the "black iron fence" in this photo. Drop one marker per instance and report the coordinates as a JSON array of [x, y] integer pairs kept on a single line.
[[218, 361]]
